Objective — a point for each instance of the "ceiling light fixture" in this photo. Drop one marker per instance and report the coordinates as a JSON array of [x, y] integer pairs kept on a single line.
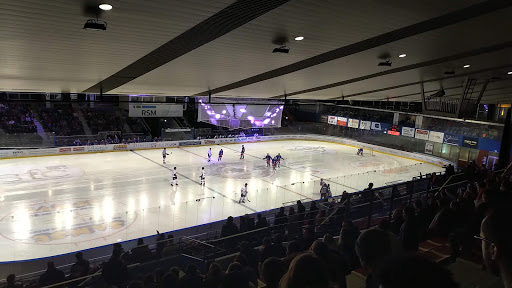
[[105, 7], [283, 49], [385, 63], [509, 73], [299, 38], [95, 24], [402, 55], [466, 66]]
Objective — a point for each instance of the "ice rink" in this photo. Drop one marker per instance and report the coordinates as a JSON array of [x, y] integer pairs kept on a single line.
[[59, 204]]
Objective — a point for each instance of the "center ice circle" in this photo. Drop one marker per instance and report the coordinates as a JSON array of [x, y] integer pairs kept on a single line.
[[240, 171]]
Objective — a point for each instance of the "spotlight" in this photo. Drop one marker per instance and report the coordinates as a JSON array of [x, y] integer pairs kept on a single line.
[[402, 55], [466, 66], [105, 7], [282, 49], [385, 63], [509, 73], [95, 24], [299, 38]]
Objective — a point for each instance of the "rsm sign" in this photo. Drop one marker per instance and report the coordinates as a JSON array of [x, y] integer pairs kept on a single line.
[[156, 110]]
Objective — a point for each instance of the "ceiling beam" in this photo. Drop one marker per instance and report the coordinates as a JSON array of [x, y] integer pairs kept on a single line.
[[228, 19], [373, 42]]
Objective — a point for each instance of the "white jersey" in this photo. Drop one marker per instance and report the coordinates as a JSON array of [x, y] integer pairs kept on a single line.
[[209, 153], [174, 175], [203, 174], [164, 153], [243, 191]]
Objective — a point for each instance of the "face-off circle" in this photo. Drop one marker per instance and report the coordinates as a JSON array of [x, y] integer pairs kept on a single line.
[[239, 171], [308, 148]]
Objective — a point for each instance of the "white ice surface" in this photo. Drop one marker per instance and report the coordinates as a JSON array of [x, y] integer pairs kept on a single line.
[[59, 204]]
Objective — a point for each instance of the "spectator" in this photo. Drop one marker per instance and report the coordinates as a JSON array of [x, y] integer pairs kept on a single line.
[[176, 271], [293, 250], [80, 268], [229, 228], [409, 234], [414, 271], [51, 276], [266, 252], [278, 250], [313, 210], [273, 270], [262, 222], [214, 277], [308, 237], [280, 219], [347, 242], [249, 272], [333, 262], [141, 252], [235, 279], [115, 271], [329, 241], [249, 221], [301, 210], [496, 243], [293, 218], [306, 271], [11, 282], [192, 278], [252, 255], [160, 244], [373, 249], [170, 248], [170, 280], [397, 219]]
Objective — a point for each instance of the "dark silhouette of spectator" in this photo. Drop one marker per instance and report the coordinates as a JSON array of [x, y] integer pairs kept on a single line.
[[293, 225], [52, 275], [235, 279], [293, 250], [160, 244], [273, 270], [250, 272], [444, 221], [333, 262], [313, 210], [149, 281], [115, 271], [266, 252], [141, 252], [329, 241], [176, 271], [277, 248], [80, 268], [11, 282], [347, 243], [214, 276], [243, 226], [280, 220], [170, 280], [229, 228], [192, 278], [496, 243], [308, 238], [373, 249], [136, 284], [306, 271], [158, 275], [170, 248], [301, 210], [251, 254], [249, 221], [262, 222], [409, 234], [414, 271], [397, 219]]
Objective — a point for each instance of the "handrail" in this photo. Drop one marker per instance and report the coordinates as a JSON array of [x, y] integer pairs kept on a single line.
[[201, 242]]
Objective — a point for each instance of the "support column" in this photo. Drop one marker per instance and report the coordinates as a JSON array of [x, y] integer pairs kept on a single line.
[[505, 143]]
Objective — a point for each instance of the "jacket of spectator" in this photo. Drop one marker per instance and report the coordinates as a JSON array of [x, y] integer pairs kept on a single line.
[[115, 271], [51, 276], [229, 228]]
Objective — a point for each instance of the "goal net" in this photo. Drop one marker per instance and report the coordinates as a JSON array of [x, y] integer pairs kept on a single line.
[[368, 151]]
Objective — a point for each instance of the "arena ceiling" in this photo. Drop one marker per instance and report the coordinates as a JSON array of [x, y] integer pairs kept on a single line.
[[191, 47]]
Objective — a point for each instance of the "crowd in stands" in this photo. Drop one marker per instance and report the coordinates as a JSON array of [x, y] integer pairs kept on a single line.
[[17, 118], [61, 119], [298, 250], [103, 119]]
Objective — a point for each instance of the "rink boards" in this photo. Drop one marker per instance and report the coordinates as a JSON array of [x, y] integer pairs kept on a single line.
[[20, 153]]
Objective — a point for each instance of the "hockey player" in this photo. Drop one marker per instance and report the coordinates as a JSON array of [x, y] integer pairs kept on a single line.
[[243, 194], [220, 155], [360, 151], [174, 177], [279, 157], [164, 154], [209, 154], [242, 153], [274, 164], [268, 158], [203, 176]]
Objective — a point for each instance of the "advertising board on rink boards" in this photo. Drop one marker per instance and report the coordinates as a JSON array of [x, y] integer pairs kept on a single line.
[[436, 136], [149, 145], [353, 123], [331, 120], [421, 134], [408, 131]]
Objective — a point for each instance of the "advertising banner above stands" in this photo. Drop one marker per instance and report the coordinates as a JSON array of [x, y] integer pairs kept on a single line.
[[376, 126], [365, 125], [451, 139], [342, 121], [155, 110], [421, 134], [436, 136], [469, 142], [408, 131], [353, 123], [332, 120]]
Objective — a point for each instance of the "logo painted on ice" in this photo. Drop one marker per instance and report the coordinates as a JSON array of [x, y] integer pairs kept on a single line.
[[37, 174]]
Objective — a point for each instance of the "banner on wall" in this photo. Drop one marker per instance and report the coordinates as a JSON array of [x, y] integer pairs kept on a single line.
[[342, 121], [451, 139], [323, 119], [155, 110], [429, 148], [353, 123], [408, 131], [469, 142], [365, 125], [376, 126], [331, 120], [421, 134], [436, 136]]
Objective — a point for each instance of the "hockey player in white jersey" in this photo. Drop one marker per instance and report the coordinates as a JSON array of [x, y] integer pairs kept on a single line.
[[174, 177], [203, 176], [209, 154], [164, 154], [243, 194]]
